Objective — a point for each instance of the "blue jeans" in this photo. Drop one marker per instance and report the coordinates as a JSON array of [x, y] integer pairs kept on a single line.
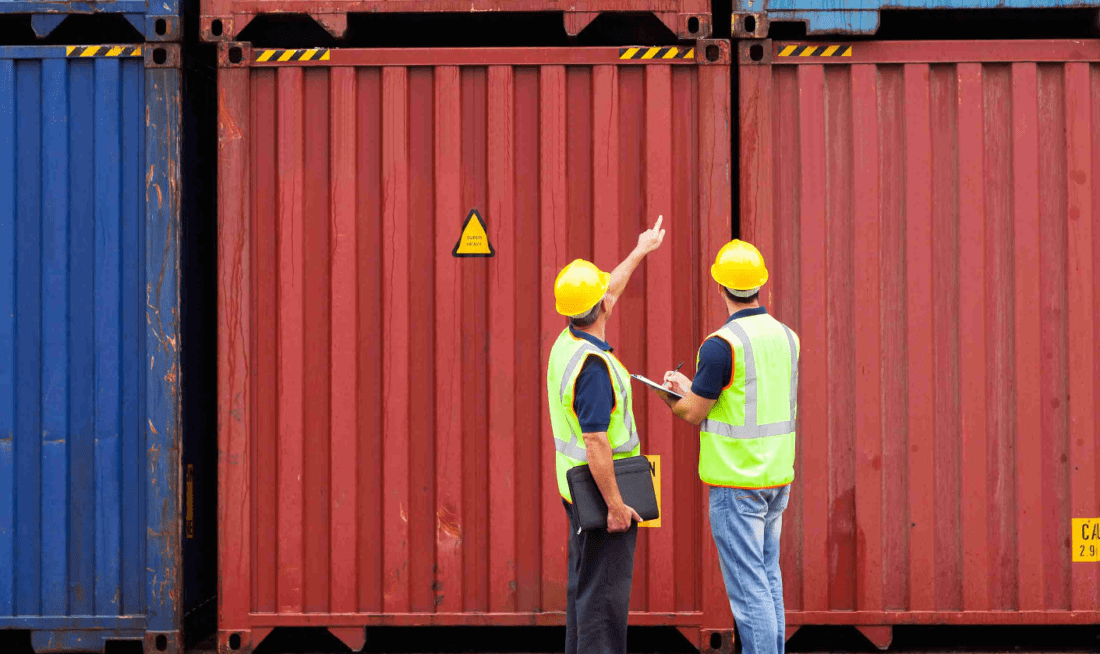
[[746, 526]]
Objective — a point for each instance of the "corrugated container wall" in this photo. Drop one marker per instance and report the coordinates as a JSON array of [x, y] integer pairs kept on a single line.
[[386, 453], [752, 18], [89, 345], [929, 213], [223, 20]]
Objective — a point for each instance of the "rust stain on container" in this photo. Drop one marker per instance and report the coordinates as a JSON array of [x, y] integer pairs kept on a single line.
[[919, 207], [448, 527], [408, 383], [227, 126]]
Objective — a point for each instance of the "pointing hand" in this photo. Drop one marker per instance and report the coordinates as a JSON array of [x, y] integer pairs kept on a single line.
[[651, 239]]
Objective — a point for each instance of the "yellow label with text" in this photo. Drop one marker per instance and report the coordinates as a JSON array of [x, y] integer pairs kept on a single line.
[[1086, 540], [655, 470]]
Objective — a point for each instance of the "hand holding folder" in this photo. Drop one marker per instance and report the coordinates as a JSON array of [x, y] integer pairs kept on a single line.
[[635, 486]]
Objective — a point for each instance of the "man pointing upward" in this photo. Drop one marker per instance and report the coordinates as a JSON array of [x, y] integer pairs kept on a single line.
[[592, 416]]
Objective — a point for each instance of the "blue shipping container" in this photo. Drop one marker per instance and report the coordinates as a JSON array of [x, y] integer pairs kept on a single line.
[[859, 16], [90, 434]]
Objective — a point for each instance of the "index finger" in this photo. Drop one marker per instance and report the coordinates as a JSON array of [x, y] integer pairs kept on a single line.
[[658, 225]]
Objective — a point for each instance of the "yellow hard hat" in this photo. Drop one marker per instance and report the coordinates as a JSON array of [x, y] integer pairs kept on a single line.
[[579, 287], [739, 266]]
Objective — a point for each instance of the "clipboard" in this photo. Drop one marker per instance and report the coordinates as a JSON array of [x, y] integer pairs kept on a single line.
[[655, 385]]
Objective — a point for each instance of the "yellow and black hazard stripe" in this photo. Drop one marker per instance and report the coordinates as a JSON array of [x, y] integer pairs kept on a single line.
[[668, 52], [816, 51], [103, 51], [311, 54]]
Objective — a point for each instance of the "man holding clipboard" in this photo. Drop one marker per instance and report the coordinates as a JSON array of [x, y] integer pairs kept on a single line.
[[591, 413], [744, 398]]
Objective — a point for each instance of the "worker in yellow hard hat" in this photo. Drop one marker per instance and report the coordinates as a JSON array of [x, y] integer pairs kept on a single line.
[[744, 399], [591, 413]]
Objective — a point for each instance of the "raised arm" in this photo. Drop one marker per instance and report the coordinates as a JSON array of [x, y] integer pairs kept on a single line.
[[648, 241]]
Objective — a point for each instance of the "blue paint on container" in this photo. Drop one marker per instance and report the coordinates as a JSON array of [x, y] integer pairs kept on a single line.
[[90, 429], [862, 16]]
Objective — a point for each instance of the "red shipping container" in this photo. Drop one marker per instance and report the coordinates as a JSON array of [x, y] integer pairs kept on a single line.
[[223, 20], [929, 214], [385, 447]]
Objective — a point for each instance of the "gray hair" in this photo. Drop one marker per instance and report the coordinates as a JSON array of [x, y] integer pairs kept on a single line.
[[746, 293], [588, 317]]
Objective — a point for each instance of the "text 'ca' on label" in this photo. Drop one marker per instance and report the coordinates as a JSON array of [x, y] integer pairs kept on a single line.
[[474, 240], [1086, 540], [655, 470]]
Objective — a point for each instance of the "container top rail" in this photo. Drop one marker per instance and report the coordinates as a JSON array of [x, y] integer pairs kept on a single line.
[[223, 20], [751, 18]]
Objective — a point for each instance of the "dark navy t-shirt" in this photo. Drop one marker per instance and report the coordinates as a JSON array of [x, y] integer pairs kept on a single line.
[[716, 361], [593, 397]]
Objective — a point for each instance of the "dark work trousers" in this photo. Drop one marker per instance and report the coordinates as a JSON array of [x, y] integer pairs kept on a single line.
[[601, 569]]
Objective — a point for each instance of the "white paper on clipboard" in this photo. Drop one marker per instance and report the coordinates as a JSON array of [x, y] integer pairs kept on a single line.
[[653, 384]]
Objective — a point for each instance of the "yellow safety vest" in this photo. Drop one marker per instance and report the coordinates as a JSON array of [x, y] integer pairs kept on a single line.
[[566, 361], [747, 439]]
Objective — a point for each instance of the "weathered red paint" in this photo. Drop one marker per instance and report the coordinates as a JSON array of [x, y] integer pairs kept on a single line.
[[223, 20], [386, 455], [929, 217]]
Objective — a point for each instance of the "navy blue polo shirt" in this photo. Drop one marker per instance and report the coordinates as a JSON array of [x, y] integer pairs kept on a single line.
[[716, 361], [593, 396]]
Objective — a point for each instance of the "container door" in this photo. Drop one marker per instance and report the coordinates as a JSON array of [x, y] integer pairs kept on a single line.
[[88, 407], [391, 223], [928, 215]]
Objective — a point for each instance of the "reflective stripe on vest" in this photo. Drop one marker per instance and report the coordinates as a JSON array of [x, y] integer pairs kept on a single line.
[[751, 428], [571, 448]]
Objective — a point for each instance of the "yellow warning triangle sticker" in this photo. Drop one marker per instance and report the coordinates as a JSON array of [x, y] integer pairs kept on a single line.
[[474, 241]]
